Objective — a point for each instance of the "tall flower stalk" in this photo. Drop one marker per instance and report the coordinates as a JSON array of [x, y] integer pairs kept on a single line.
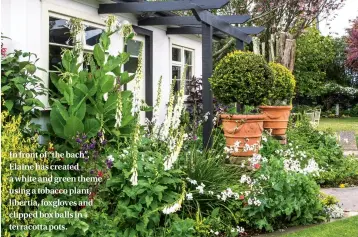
[[76, 31], [173, 156], [137, 87], [134, 171], [174, 112], [156, 110]]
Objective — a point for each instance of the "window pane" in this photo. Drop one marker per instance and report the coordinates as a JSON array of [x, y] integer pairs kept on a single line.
[[176, 54], [131, 65], [188, 57], [59, 33], [92, 35], [176, 72], [189, 72], [133, 47], [55, 57]]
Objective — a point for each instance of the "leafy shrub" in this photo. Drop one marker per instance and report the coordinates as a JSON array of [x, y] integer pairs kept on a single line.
[[242, 77], [20, 86], [12, 140], [284, 85], [325, 150], [286, 197]]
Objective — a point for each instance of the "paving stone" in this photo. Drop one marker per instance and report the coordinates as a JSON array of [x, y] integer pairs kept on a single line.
[[348, 197]]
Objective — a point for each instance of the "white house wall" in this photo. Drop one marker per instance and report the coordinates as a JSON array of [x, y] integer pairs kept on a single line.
[[26, 23]]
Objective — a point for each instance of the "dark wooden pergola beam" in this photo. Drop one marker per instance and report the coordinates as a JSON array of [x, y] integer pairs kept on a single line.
[[139, 7], [223, 26], [187, 30], [189, 20]]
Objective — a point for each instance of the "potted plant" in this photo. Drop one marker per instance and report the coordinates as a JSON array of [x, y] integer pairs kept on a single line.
[[243, 78], [278, 106]]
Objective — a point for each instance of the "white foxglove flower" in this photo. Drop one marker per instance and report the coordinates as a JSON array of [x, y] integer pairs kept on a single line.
[[134, 178]]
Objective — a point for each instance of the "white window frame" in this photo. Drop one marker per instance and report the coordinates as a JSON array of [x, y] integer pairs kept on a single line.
[[181, 64]]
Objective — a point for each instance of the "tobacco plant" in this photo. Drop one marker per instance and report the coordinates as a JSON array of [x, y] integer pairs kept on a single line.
[[92, 98]]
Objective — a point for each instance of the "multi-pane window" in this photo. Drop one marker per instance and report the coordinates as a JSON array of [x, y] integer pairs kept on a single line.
[[132, 48], [59, 38], [181, 57]]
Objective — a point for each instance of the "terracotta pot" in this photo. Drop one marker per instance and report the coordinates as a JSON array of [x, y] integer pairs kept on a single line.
[[246, 129], [276, 119]]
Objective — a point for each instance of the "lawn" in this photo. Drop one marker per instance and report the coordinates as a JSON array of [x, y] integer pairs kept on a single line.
[[347, 227], [339, 124]]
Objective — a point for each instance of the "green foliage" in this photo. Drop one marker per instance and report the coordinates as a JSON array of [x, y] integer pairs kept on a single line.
[[20, 86], [313, 55], [13, 140], [284, 85], [137, 210], [181, 227], [82, 106], [242, 77], [325, 150], [287, 198]]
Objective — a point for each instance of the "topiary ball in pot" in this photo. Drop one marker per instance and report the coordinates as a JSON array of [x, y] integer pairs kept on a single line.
[[279, 101], [283, 85], [244, 78]]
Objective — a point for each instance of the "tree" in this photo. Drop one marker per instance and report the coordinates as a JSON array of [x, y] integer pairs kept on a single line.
[[352, 52], [279, 16], [313, 56]]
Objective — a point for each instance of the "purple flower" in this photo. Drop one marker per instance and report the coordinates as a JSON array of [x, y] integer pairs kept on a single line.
[[84, 137], [109, 164], [78, 140], [92, 146], [99, 134], [104, 142]]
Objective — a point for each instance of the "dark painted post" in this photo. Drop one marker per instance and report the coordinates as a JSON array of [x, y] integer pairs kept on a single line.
[[207, 61], [239, 46]]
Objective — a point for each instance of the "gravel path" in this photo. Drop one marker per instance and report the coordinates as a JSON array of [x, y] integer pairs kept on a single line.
[[348, 197]]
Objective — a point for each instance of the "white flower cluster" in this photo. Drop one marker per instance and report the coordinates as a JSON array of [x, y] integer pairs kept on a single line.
[[254, 147], [118, 116], [334, 211], [295, 166], [134, 177], [256, 159], [214, 232], [173, 156], [201, 188], [227, 193], [172, 209], [254, 201], [232, 149], [189, 196], [238, 229], [206, 116], [245, 179]]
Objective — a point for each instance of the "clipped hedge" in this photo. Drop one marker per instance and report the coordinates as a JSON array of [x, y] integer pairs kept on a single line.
[[284, 84], [242, 77]]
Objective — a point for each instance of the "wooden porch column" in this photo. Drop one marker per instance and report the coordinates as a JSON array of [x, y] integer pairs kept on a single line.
[[207, 61], [239, 46]]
